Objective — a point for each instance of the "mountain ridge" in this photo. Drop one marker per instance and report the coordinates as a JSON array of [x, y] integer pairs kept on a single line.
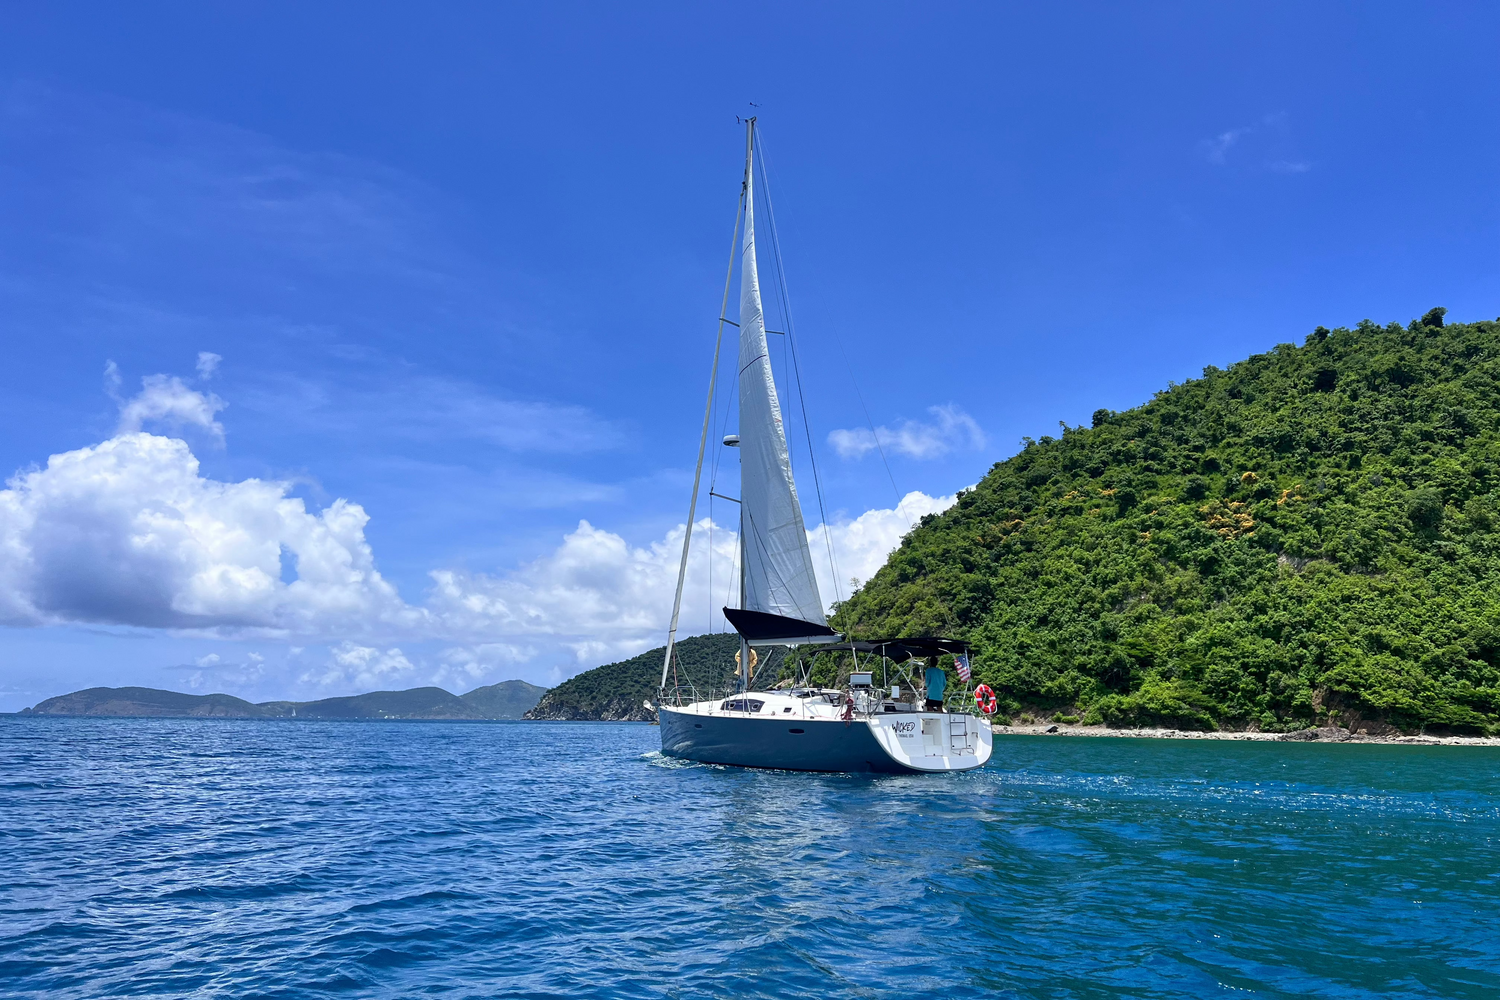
[[494, 702]]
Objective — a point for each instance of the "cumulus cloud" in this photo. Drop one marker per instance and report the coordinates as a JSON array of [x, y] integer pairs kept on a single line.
[[361, 667], [462, 667], [951, 428], [595, 594], [166, 400], [861, 545], [128, 532], [208, 364], [603, 599]]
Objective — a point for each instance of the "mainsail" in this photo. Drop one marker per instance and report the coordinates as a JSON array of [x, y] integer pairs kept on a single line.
[[777, 572]]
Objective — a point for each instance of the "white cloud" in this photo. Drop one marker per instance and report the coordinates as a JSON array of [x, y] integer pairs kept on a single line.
[[166, 400], [861, 545], [596, 595], [604, 599], [208, 364], [1267, 143], [1216, 150], [128, 532], [952, 428], [361, 667], [463, 667], [213, 671]]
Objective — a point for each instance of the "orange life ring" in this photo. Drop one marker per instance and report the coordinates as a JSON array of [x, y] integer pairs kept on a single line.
[[985, 698]]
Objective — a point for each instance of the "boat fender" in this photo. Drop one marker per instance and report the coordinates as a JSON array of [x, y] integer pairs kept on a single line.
[[984, 697]]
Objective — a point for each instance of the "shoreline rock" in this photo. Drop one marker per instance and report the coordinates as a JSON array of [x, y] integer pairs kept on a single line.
[[1327, 734]]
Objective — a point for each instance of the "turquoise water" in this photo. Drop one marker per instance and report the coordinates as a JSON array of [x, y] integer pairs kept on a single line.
[[213, 858]]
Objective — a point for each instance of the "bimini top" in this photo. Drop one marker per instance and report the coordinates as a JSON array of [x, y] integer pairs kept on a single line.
[[900, 650], [762, 629]]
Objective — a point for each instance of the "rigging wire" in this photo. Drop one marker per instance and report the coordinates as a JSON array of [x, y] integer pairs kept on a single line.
[[713, 480], [785, 301], [874, 434], [838, 341], [707, 424], [710, 619]]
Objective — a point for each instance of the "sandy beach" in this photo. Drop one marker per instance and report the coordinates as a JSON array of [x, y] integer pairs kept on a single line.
[[1325, 735]]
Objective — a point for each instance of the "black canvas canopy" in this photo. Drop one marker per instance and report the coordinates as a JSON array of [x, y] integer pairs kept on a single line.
[[900, 650], [760, 627]]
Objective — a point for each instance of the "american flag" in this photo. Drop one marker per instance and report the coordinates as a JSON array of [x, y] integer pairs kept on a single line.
[[961, 664]]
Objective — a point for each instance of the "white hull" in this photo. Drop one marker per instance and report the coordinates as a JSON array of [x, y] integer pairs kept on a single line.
[[808, 733]]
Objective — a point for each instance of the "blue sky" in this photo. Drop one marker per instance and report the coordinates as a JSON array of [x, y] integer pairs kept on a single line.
[[457, 267]]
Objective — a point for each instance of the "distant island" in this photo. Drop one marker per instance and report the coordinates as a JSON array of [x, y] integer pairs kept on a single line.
[[506, 700], [609, 693]]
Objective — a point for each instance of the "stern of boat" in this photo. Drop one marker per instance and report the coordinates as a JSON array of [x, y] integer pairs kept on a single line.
[[934, 741]]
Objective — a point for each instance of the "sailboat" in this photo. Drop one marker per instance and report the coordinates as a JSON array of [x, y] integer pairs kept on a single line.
[[797, 725]]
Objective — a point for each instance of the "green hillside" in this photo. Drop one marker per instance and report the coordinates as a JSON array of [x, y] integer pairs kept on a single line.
[[506, 700], [1313, 532], [143, 702], [414, 703], [615, 691]]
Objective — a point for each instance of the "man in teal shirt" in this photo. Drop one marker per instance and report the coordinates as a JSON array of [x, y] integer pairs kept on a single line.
[[936, 682]]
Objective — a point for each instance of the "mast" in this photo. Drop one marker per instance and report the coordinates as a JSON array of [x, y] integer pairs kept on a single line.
[[776, 570], [708, 412], [747, 199]]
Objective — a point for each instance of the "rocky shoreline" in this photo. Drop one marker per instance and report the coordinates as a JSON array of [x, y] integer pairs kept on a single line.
[[1328, 734]]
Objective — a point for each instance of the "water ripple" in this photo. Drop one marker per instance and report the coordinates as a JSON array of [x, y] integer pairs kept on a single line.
[[222, 858]]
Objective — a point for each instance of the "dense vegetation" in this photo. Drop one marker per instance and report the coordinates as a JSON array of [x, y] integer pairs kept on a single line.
[[1312, 534], [617, 690]]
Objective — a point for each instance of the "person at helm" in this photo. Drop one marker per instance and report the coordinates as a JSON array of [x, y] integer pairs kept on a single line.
[[936, 682]]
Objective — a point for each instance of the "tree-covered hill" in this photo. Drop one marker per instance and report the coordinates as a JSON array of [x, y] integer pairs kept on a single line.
[[1313, 532], [615, 691]]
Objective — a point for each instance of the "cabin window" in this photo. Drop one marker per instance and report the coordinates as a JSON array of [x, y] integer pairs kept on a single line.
[[742, 705], [787, 709]]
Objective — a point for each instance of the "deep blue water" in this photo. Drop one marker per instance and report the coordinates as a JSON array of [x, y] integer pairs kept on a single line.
[[212, 858]]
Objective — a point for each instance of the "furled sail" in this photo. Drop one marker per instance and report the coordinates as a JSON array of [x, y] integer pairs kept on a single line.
[[777, 570]]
